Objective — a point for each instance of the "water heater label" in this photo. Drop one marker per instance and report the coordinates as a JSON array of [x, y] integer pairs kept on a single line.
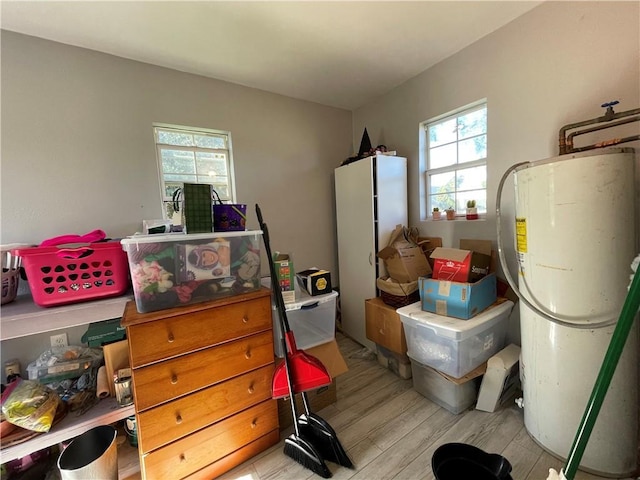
[[521, 234]]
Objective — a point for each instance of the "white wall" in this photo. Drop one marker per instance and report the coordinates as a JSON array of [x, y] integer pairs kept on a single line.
[[77, 145], [553, 66], [78, 149]]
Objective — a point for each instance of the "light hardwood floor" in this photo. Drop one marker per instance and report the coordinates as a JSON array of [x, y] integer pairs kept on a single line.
[[391, 431]]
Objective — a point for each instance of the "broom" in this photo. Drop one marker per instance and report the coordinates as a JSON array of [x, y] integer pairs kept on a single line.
[[311, 426], [297, 446]]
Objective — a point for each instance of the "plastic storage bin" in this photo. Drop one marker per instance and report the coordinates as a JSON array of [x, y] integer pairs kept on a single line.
[[311, 318], [11, 264], [431, 384], [451, 345], [71, 274], [178, 269]]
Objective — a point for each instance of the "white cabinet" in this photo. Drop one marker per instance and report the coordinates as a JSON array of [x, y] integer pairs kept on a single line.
[[23, 318], [371, 199]]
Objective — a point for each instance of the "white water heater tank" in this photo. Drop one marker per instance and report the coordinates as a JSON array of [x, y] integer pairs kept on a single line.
[[575, 238]]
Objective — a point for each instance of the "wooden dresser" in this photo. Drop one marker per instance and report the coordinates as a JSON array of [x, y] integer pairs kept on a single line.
[[202, 378]]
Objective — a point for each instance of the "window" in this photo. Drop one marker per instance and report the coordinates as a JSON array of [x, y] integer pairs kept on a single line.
[[455, 148], [191, 155]]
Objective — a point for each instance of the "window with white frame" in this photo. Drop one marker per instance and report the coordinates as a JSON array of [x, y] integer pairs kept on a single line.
[[193, 155], [455, 149]]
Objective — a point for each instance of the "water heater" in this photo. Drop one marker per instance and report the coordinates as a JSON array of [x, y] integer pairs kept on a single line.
[[575, 240]]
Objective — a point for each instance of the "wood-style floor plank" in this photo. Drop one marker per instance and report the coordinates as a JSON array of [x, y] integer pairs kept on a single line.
[[391, 431]]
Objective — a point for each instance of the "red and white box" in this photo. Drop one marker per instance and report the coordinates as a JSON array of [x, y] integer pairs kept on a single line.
[[458, 265]]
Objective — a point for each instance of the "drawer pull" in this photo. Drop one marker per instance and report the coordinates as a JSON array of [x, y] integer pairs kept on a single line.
[[245, 319], [174, 379], [254, 424], [251, 389], [178, 419], [183, 458], [170, 337], [247, 354]]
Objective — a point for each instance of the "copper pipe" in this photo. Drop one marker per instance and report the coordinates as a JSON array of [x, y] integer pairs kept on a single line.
[[606, 143], [569, 144], [567, 147]]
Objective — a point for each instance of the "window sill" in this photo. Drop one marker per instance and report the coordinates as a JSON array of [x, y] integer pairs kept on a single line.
[[457, 219]]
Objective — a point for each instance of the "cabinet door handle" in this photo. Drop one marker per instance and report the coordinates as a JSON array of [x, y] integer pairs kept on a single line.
[[178, 419], [174, 379], [170, 337], [245, 319], [370, 258]]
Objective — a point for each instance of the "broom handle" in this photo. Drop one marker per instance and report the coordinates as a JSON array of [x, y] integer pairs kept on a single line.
[[619, 338], [282, 309], [283, 324]]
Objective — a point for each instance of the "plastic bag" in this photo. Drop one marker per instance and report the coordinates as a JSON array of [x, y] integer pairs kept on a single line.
[[30, 404], [60, 363]]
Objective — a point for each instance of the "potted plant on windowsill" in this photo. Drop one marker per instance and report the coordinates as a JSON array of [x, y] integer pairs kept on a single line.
[[435, 214], [451, 213], [472, 211]]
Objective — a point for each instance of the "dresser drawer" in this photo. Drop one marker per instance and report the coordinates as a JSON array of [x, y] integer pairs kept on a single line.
[[234, 459], [165, 423], [172, 336], [168, 380], [196, 451]]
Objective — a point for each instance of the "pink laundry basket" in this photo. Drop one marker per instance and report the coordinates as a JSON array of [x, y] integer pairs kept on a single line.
[[58, 275]]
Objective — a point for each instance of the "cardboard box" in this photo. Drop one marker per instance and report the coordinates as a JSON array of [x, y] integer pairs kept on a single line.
[[286, 276], [405, 265], [453, 394], [428, 245], [500, 380], [383, 326], [480, 246], [458, 299], [100, 333], [116, 356], [330, 356], [458, 265], [403, 258], [398, 363], [505, 291], [400, 239], [315, 281]]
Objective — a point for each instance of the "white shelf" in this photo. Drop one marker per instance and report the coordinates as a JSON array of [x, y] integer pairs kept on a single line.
[[23, 317], [105, 412]]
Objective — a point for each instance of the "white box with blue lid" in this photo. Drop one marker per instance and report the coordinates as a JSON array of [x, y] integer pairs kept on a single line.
[[311, 318], [451, 345]]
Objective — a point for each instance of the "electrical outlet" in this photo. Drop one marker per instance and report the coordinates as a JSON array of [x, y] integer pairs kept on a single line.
[[59, 340]]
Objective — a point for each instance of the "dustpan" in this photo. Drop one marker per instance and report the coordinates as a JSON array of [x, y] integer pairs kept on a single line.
[[305, 371]]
